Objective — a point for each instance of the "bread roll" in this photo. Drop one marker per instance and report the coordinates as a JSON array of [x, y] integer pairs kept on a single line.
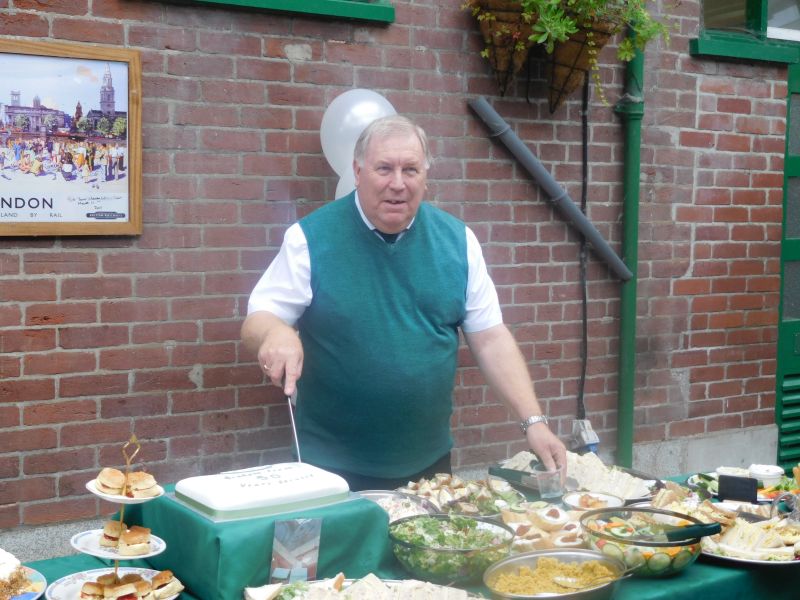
[[134, 542], [165, 585], [92, 591], [111, 532], [142, 485], [112, 592], [110, 481]]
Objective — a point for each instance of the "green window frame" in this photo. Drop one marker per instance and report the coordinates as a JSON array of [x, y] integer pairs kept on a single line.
[[366, 10], [751, 45]]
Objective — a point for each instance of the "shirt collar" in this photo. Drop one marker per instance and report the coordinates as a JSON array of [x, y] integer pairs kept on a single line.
[[367, 222]]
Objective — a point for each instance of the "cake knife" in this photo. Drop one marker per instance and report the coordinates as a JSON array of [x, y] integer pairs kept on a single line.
[[294, 428]]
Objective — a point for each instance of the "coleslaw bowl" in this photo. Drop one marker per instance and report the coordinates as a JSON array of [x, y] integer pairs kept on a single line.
[[448, 549]]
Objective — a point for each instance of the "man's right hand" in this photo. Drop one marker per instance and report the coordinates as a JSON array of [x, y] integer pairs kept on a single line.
[[278, 348]]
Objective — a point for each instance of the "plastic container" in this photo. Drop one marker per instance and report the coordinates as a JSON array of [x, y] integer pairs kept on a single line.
[[769, 475]]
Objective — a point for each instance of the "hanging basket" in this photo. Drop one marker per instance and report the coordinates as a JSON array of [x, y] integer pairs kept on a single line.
[[506, 37], [569, 64]]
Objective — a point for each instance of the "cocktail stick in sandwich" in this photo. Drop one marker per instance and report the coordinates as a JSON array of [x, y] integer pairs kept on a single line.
[[92, 591], [144, 590], [110, 481], [124, 591], [135, 541], [111, 532], [165, 585], [142, 485]]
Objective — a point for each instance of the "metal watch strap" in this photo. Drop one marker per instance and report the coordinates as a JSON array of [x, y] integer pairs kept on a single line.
[[532, 421]]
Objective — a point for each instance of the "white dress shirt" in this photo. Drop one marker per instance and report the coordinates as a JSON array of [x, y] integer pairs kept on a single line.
[[285, 287]]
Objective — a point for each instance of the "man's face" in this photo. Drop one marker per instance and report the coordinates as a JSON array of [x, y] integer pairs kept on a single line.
[[392, 180]]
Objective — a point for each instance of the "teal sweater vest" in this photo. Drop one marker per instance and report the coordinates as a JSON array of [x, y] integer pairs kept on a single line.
[[380, 340]]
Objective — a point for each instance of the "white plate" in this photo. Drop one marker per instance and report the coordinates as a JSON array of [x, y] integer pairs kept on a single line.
[[69, 587], [118, 499], [36, 581], [573, 500], [88, 542], [751, 561]]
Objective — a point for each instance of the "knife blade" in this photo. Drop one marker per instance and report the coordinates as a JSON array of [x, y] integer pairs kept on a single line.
[[294, 428]]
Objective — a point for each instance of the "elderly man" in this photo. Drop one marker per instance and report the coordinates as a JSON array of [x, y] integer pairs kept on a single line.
[[364, 301]]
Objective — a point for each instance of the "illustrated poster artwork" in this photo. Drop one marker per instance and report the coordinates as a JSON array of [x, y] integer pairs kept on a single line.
[[63, 139]]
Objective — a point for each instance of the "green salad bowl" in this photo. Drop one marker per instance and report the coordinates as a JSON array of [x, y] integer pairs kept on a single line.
[[447, 549]]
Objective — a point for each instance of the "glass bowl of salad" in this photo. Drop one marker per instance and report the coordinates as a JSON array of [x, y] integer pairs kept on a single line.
[[447, 549], [637, 536]]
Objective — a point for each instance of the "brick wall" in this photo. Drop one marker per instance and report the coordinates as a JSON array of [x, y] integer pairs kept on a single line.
[[104, 337]]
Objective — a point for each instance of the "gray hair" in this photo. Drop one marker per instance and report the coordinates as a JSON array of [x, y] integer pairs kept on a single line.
[[391, 125]]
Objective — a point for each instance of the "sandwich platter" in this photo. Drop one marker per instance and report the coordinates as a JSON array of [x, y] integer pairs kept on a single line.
[[36, 585], [88, 542], [69, 587], [119, 499]]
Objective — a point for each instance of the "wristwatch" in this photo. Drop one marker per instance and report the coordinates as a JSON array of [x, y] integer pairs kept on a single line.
[[532, 421]]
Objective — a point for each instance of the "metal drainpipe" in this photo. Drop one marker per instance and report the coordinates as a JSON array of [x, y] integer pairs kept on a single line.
[[631, 110]]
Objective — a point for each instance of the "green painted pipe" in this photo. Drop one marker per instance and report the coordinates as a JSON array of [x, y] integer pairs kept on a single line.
[[631, 110]]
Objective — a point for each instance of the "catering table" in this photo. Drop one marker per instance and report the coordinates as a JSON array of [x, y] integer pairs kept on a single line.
[[216, 560]]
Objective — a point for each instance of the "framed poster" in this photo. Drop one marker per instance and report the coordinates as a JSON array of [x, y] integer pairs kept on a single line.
[[70, 139]]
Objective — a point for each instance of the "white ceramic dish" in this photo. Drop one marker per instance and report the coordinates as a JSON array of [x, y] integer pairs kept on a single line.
[[69, 587], [92, 487], [37, 585], [769, 474], [88, 542]]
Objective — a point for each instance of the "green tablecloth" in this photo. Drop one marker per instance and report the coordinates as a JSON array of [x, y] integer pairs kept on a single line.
[[215, 561]]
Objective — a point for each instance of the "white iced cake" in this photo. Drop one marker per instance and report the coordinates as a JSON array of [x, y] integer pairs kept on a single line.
[[259, 491]]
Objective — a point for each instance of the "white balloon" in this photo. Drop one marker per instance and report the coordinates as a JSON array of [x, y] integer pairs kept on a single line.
[[347, 183], [343, 122]]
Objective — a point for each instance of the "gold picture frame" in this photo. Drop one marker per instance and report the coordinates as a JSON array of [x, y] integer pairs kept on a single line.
[[70, 160]]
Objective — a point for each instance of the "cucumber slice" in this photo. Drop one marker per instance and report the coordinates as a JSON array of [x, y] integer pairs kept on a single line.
[[681, 559], [613, 550], [634, 558], [659, 562]]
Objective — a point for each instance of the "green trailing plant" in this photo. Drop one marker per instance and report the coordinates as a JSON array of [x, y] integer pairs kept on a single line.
[[514, 26]]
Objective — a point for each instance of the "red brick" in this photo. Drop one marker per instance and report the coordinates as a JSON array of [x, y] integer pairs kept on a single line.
[[24, 24], [27, 489], [217, 422], [27, 340], [57, 512], [37, 315], [121, 311], [58, 461], [59, 363], [127, 359], [33, 290], [96, 287], [90, 385], [162, 379], [133, 405], [26, 390], [136, 262], [88, 31], [92, 337], [38, 263]]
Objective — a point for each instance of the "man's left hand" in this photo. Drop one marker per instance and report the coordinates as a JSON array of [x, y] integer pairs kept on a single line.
[[544, 443]]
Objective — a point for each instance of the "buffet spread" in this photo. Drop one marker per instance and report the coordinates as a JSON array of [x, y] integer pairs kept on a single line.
[[454, 538]]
